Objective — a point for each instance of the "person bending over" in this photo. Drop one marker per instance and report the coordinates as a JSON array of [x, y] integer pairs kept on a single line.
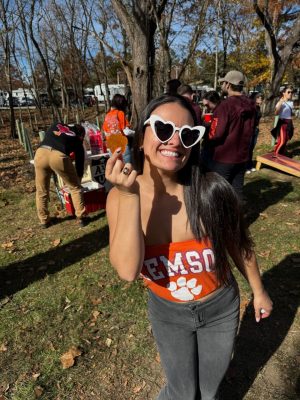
[[53, 155]]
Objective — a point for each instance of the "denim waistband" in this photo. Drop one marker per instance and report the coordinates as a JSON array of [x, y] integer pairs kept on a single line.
[[224, 304], [215, 297]]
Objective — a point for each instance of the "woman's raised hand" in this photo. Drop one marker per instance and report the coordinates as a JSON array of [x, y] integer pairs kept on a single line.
[[121, 175]]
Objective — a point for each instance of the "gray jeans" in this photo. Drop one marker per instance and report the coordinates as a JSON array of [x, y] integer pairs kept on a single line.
[[195, 342]]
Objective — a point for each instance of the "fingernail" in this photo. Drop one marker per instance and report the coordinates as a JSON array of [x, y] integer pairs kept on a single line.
[[257, 319]]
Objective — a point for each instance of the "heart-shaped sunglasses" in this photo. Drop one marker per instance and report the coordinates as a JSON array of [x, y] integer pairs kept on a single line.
[[165, 130]]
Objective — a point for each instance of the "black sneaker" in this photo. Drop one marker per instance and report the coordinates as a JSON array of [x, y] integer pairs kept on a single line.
[[45, 225], [82, 222]]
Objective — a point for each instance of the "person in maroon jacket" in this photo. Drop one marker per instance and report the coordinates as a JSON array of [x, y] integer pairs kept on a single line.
[[231, 132]]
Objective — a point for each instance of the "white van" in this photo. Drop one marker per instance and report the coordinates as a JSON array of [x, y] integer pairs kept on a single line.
[[100, 91]]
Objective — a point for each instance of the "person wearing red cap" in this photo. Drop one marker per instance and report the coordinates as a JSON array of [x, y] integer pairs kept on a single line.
[[231, 132]]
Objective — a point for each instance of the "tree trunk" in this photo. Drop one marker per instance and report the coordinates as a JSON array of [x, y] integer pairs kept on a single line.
[[140, 29], [279, 61], [55, 109]]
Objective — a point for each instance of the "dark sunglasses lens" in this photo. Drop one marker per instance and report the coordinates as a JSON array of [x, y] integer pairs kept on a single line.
[[163, 131], [189, 136]]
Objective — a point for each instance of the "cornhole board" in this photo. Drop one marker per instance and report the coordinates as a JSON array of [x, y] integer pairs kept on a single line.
[[280, 162]]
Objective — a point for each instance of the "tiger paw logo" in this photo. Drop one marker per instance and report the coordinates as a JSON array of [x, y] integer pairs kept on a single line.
[[184, 290], [63, 129]]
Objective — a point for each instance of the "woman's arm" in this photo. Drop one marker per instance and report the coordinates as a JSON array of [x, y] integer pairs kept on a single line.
[[278, 106], [126, 237], [249, 269]]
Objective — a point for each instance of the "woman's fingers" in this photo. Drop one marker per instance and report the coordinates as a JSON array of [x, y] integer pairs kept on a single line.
[[112, 162], [120, 174]]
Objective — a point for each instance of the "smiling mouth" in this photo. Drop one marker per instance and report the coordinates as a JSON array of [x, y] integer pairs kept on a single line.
[[169, 153]]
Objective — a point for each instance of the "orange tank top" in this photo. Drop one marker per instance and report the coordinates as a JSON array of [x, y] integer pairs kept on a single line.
[[181, 271]]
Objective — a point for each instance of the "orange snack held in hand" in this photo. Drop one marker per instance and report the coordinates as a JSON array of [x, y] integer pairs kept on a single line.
[[116, 140]]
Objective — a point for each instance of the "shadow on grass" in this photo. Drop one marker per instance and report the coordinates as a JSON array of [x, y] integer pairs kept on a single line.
[[262, 193], [19, 275], [293, 148], [68, 217], [256, 343]]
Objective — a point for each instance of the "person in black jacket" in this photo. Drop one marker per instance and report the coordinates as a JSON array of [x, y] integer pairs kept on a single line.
[[53, 155]]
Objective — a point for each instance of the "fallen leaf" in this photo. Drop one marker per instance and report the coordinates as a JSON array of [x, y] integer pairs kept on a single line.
[[51, 346], [244, 304], [3, 347], [290, 223], [56, 242], [139, 387], [95, 315], [108, 342], [4, 301], [95, 302], [7, 245], [68, 358], [35, 376], [38, 391], [263, 215], [264, 254], [114, 352]]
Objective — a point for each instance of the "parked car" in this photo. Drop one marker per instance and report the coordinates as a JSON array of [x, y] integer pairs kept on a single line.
[[27, 102], [15, 102]]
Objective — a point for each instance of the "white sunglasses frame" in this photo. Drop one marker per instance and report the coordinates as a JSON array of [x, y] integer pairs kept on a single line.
[[153, 118]]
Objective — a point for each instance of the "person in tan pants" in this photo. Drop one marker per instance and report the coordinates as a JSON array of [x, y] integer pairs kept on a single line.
[[53, 155]]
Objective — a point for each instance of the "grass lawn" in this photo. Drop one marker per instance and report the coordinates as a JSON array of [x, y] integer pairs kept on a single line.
[[59, 297]]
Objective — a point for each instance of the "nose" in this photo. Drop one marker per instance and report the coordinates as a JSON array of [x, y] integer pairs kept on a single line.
[[175, 139]]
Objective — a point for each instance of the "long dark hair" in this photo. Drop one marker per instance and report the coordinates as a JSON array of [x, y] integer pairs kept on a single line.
[[212, 96], [213, 208], [119, 102]]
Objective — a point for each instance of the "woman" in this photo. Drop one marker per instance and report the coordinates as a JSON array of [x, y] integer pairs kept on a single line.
[[211, 100], [183, 222], [115, 121], [284, 108]]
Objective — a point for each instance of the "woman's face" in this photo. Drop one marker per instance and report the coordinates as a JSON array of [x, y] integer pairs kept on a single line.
[[170, 156], [207, 103], [287, 94]]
